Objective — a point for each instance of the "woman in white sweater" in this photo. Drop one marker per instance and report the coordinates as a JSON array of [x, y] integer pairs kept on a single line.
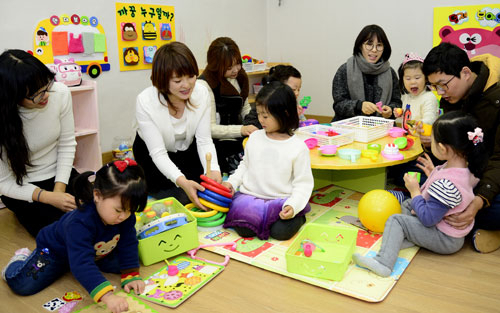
[[37, 141], [173, 135]]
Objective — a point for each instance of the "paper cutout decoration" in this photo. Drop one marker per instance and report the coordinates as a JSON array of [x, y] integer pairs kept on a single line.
[[88, 42], [130, 55], [99, 43], [60, 43], [42, 37], [148, 31], [75, 43], [129, 32], [149, 52], [166, 31], [172, 288]]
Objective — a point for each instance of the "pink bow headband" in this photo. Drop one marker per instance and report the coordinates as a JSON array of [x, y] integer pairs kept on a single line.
[[476, 136], [412, 57]]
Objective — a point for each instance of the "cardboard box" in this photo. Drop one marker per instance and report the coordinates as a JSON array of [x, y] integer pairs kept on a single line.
[[334, 246], [171, 242]]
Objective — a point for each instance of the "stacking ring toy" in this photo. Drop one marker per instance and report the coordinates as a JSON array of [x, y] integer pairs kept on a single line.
[[214, 183], [213, 200], [190, 207], [216, 190], [213, 206], [216, 196], [213, 223], [211, 218]]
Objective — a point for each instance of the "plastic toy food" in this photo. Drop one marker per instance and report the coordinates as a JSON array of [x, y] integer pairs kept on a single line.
[[427, 129], [401, 142], [391, 152]]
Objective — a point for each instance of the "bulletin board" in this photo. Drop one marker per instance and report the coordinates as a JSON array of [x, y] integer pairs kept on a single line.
[[474, 28], [141, 29], [79, 37]]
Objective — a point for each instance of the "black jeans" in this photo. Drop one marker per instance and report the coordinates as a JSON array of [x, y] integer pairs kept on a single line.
[[36, 215], [159, 186]]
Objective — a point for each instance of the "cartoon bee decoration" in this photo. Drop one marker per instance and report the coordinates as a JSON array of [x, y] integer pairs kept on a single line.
[[130, 56], [128, 31], [148, 31]]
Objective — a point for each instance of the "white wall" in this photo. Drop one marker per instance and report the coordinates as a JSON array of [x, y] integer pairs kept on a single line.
[[198, 22], [317, 36]]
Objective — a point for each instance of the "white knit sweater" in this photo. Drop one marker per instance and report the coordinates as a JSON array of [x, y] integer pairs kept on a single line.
[[50, 134]]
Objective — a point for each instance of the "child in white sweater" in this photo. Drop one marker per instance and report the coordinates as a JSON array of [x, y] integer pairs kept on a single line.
[[274, 179]]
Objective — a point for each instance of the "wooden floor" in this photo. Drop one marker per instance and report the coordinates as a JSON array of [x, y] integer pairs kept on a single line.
[[463, 282]]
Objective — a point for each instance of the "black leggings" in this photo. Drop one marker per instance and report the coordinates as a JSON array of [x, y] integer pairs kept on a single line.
[[280, 230], [36, 215], [159, 186]]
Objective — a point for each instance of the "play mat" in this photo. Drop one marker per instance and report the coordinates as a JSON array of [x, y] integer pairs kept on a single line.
[[330, 205]]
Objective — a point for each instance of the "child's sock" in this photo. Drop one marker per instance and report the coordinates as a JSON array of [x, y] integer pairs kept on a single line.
[[20, 255], [372, 265]]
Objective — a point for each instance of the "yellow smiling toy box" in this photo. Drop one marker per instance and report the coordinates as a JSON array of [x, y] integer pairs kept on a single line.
[[171, 242]]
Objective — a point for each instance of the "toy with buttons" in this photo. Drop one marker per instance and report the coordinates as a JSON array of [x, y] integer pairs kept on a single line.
[[153, 212]]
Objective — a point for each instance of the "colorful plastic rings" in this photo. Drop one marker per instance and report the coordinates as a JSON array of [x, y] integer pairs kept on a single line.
[[211, 218], [190, 207], [216, 190], [203, 195], [213, 206], [213, 223], [216, 196], [214, 183]]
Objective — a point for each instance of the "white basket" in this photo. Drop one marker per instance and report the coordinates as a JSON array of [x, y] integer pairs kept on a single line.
[[344, 136], [366, 128]]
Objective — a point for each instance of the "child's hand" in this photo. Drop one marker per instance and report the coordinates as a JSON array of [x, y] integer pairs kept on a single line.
[[114, 303], [386, 111], [412, 185], [286, 213], [228, 185], [425, 164], [137, 285]]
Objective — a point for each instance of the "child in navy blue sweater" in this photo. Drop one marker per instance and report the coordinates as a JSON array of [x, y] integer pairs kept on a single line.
[[99, 236]]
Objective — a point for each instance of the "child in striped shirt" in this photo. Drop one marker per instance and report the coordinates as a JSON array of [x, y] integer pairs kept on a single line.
[[456, 139]]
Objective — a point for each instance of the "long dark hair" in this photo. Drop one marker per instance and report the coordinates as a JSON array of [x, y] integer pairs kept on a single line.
[[221, 55], [21, 75], [452, 129], [280, 101], [109, 181]]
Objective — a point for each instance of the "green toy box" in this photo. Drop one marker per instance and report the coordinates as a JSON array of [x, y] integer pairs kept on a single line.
[[171, 242], [334, 246]]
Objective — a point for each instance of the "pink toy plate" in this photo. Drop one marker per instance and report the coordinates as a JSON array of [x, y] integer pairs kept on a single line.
[[396, 132], [397, 156]]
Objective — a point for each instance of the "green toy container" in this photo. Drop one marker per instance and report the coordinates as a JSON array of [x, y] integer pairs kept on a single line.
[[171, 242], [334, 246]]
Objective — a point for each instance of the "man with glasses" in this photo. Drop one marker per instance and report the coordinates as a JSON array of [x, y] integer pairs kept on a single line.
[[473, 87]]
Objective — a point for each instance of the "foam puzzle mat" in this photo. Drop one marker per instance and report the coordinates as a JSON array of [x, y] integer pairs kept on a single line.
[[330, 205]]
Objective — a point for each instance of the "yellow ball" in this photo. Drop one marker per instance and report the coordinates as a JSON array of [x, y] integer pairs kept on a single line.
[[375, 207]]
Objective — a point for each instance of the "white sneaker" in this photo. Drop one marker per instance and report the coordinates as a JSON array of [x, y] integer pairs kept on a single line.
[[20, 255]]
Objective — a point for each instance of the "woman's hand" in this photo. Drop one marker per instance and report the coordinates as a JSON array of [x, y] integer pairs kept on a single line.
[[412, 184], [425, 164], [286, 213], [114, 303], [369, 108], [229, 186], [137, 285], [386, 111], [246, 130], [61, 200], [216, 175], [463, 219], [191, 187]]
